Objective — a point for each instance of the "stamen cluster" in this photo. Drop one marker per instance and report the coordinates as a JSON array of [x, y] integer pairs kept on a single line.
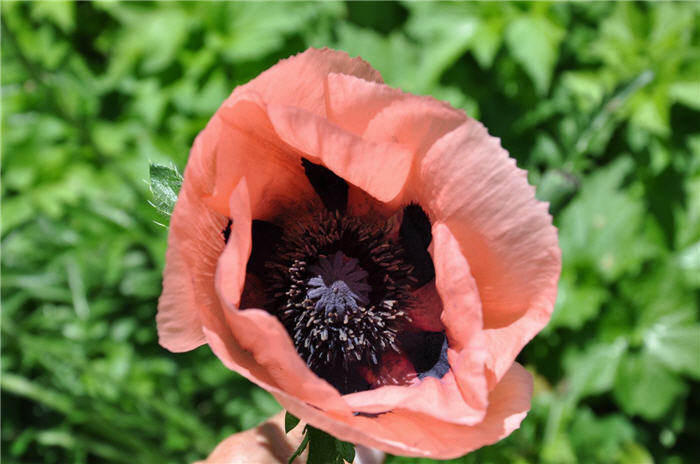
[[340, 288]]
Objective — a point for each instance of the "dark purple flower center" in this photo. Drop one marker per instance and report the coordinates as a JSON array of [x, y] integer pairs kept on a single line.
[[342, 287]]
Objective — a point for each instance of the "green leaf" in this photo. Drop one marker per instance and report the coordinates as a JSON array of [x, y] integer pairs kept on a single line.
[[547, 152], [393, 55], [587, 87], [60, 12], [324, 448], [689, 261], [302, 446], [345, 450], [165, 185], [651, 113], [578, 301], [593, 371], [16, 211], [290, 422], [167, 22], [254, 29], [666, 322], [23, 387], [598, 439], [646, 387], [677, 345], [686, 93], [141, 35], [142, 283], [446, 31], [602, 218], [490, 34], [634, 453], [534, 41]]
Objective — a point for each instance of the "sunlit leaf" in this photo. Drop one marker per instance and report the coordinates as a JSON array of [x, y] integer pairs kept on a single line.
[[602, 217], [676, 344], [533, 41], [597, 439], [593, 371], [60, 12], [646, 387], [686, 93], [165, 185]]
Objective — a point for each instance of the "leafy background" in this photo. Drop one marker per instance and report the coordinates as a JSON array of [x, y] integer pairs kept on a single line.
[[600, 102]]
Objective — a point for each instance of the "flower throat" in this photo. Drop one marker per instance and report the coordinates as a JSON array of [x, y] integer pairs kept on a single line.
[[340, 288]]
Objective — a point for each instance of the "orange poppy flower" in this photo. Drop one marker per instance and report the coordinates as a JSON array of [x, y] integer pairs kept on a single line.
[[372, 258]]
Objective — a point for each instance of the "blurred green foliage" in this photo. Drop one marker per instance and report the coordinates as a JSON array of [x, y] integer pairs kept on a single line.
[[600, 102]]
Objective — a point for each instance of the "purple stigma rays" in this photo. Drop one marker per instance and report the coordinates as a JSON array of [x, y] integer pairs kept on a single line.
[[340, 283]]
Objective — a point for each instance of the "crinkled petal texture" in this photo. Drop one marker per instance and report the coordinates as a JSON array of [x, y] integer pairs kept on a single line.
[[494, 248]]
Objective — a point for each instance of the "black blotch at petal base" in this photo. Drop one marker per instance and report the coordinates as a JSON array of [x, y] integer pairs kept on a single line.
[[226, 232], [424, 350], [416, 236], [441, 367], [332, 190], [344, 383], [265, 236]]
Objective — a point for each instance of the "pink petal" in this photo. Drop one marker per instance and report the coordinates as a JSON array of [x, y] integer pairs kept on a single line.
[[267, 443], [414, 122], [461, 316], [411, 434], [239, 141], [380, 169], [437, 398], [231, 270], [468, 182], [381, 114], [179, 328], [263, 336], [351, 102], [200, 172], [247, 146], [189, 299], [300, 80]]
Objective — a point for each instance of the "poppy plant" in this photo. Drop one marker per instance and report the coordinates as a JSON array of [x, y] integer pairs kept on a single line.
[[372, 258]]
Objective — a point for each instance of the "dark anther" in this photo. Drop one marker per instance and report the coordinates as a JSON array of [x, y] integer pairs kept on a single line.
[[265, 236], [416, 237], [226, 232], [332, 189], [424, 349]]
